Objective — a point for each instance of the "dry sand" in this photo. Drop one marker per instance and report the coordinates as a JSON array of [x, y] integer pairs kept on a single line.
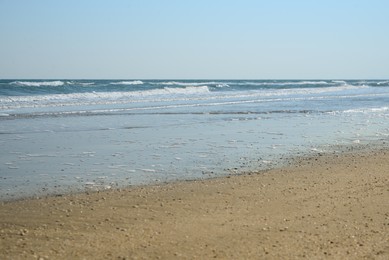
[[328, 206]]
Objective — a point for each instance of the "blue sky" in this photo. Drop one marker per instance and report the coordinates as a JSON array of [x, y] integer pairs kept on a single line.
[[192, 39]]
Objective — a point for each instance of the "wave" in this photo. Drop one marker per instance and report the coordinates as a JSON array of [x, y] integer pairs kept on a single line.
[[331, 89], [227, 84], [55, 83], [383, 83], [79, 83], [261, 82], [177, 83], [98, 97], [86, 83], [340, 82], [299, 91], [168, 91], [368, 110], [287, 83], [187, 90], [158, 110], [134, 82], [165, 94], [190, 96], [222, 85]]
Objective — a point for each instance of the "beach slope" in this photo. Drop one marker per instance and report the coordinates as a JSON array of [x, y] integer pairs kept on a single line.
[[329, 206]]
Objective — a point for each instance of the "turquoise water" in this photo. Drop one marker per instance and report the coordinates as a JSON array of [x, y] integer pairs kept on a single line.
[[73, 135]]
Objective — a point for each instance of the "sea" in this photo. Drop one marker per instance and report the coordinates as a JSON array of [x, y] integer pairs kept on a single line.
[[61, 136]]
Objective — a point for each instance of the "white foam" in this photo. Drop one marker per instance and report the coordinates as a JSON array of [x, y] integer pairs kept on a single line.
[[251, 83], [317, 150], [79, 83], [325, 90], [190, 96], [286, 83], [88, 153], [340, 82], [87, 83], [96, 97], [367, 110], [185, 84], [266, 162], [40, 155], [187, 90], [379, 109], [134, 82], [222, 85], [38, 83], [147, 170], [382, 82]]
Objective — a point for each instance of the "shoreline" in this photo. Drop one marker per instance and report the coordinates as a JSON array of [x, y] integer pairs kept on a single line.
[[324, 206], [285, 160]]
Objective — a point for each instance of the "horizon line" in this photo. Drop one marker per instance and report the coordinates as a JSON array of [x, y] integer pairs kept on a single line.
[[194, 78]]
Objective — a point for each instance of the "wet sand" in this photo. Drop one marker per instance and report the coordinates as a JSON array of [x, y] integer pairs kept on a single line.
[[329, 206]]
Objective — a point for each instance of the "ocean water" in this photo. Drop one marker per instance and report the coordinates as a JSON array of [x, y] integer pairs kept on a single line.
[[59, 136]]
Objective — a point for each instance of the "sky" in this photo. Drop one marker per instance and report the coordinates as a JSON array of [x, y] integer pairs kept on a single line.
[[194, 39]]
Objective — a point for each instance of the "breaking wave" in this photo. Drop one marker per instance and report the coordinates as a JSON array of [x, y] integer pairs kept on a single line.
[[97, 97], [243, 83], [134, 82], [55, 83]]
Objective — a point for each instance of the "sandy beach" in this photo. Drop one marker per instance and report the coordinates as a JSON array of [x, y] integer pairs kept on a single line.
[[323, 207]]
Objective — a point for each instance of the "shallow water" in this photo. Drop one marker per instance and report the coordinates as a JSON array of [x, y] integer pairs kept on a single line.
[[61, 136]]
